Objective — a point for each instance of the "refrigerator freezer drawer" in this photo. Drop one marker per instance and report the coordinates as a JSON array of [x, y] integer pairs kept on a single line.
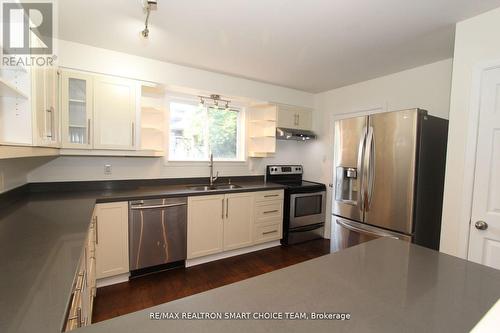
[[349, 233]]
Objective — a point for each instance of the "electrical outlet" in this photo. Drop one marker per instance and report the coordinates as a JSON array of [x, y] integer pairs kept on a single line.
[[108, 169]]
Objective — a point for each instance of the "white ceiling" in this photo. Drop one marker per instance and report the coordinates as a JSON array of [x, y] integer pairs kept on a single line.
[[311, 45]]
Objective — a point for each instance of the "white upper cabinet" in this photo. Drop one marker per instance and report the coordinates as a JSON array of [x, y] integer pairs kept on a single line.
[[45, 104], [115, 110], [98, 111], [294, 117], [77, 110], [304, 119]]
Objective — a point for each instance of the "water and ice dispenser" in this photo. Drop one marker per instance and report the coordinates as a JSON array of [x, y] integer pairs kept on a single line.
[[347, 185]]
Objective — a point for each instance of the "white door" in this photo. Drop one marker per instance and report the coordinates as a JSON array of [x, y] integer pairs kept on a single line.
[[205, 225], [111, 249], [114, 113], [239, 216], [484, 241]]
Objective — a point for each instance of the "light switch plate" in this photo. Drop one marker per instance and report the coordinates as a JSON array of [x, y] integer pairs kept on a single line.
[[108, 170]]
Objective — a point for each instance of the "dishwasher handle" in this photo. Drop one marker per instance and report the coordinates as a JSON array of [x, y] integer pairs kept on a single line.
[[158, 206]]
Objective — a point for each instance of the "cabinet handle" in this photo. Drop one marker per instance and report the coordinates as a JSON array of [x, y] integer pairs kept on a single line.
[[227, 208], [133, 134], [222, 208], [79, 282], [271, 211], [79, 317], [96, 231], [269, 232], [271, 195], [51, 123], [298, 119], [88, 131]]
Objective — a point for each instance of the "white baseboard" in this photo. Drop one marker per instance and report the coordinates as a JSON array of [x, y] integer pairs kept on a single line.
[[112, 280], [232, 253]]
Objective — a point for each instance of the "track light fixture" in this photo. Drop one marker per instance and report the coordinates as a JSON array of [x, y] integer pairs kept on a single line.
[[217, 102], [148, 5]]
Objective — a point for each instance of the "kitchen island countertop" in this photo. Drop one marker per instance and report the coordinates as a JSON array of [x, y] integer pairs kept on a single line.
[[385, 285]]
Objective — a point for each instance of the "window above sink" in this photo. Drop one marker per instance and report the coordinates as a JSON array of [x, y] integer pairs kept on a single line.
[[196, 130]]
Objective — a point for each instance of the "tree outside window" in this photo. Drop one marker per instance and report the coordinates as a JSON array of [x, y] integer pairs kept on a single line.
[[196, 131]]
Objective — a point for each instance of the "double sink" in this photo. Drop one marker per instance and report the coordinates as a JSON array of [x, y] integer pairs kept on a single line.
[[214, 187]]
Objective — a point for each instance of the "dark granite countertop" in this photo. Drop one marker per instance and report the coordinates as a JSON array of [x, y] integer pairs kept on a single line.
[[385, 285], [42, 235]]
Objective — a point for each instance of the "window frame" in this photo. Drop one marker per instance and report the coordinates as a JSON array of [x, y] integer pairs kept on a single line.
[[241, 144]]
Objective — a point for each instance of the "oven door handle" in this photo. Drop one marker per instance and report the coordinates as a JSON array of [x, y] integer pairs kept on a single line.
[[364, 231]]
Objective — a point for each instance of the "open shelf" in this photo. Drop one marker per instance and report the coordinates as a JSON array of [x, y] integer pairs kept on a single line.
[[7, 89], [151, 110]]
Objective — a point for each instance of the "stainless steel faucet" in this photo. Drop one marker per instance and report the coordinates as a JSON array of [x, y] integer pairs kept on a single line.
[[212, 178]]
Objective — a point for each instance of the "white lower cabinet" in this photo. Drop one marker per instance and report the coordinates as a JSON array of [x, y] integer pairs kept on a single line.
[[268, 223], [84, 286], [111, 224], [218, 223], [205, 229], [238, 220]]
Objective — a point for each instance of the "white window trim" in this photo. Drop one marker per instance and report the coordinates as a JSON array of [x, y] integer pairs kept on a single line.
[[242, 131]]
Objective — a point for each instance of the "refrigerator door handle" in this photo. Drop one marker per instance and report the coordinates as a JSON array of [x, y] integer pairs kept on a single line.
[[364, 231], [361, 150], [368, 169]]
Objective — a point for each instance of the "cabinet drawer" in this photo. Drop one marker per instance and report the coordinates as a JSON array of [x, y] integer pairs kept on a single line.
[[269, 211], [267, 232], [269, 195]]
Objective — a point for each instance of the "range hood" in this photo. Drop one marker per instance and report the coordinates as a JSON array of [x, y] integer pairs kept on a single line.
[[294, 134]]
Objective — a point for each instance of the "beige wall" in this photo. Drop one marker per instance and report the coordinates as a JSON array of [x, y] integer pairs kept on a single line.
[[426, 87], [477, 43]]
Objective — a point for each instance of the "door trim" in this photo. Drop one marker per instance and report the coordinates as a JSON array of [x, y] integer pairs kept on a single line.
[[462, 248]]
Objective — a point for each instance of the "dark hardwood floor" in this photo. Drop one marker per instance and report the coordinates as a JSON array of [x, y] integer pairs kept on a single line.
[[144, 292]]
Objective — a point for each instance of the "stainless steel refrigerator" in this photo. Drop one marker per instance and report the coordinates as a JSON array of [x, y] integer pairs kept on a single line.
[[389, 178]]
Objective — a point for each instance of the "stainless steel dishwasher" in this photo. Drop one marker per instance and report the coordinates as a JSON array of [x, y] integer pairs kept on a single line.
[[157, 234]]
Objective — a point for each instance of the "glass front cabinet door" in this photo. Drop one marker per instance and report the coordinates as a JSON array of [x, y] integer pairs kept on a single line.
[[76, 102]]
